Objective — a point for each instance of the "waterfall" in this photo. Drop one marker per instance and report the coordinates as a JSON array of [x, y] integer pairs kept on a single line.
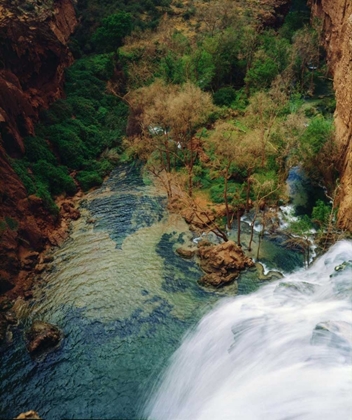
[[281, 353]]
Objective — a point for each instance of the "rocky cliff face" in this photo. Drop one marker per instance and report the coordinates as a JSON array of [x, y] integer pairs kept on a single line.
[[336, 16], [33, 56]]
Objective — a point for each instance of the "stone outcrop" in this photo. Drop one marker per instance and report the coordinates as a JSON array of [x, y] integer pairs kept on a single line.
[[28, 415], [7, 319], [186, 253], [222, 263], [42, 338], [33, 57], [336, 16]]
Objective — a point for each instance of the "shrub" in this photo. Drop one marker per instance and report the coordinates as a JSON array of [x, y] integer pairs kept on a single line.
[[113, 28], [224, 96], [56, 178], [37, 149], [321, 213], [21, 169], [89, 179]]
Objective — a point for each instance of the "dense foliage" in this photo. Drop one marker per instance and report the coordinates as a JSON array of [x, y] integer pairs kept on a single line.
[[217, 102], [74, 132]]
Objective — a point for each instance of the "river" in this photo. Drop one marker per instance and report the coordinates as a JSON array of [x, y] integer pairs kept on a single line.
[[125, 300]]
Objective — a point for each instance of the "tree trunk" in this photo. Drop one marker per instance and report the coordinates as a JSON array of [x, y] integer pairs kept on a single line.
[[308, 252], [247, 192], [238, 227], [190, 171], [251, 238], [228, 218]]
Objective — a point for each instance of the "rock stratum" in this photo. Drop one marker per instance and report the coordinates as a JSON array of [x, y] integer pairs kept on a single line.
[[33, 57], [336, 16]]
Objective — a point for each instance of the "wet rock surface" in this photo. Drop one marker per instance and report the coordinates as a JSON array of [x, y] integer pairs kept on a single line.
[[42, 338], [222, 263], [186, 253], [34, 54], [336, 334], [336, 20], [7, 319], [28, 415]]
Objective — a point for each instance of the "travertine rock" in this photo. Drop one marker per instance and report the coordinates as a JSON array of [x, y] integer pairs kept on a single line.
[[337, 25], [222, 263], [33, 56]]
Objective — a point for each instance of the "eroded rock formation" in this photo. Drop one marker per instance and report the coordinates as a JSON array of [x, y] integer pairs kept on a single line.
[[42, 338], [33, 56], [28, 415], [222, 263], [336, 16]]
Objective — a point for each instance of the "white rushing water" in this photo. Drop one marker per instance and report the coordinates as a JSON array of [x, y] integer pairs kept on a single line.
[[262, 356]]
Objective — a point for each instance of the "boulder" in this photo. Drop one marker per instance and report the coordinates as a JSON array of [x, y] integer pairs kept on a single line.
[[186, 253], [28, 415], [42, 338], [336, 334], [222, 263]]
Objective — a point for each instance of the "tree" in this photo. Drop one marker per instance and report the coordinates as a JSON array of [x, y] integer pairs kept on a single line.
[[317, 150], [305, 56], [227, 149], [265, 187], [108, 37], [217, 15], [262, 114], [169, 117], [300, 232]]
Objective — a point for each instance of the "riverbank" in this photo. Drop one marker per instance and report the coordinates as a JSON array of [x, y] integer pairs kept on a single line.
[[34, 262]]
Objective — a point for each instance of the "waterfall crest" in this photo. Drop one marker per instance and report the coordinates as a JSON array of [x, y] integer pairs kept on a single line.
[[283, 352]]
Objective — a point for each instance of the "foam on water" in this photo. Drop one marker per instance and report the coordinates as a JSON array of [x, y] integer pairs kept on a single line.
[[283, 352]]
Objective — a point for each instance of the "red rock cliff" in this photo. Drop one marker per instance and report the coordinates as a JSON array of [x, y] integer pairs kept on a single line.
[[337, 24], [33, 57]]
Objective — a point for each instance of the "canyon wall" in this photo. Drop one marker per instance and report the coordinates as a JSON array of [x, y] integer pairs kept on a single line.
[[33, 57], [336, 16]]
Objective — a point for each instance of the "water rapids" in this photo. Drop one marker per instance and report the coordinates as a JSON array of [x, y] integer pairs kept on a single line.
[[281, 353]]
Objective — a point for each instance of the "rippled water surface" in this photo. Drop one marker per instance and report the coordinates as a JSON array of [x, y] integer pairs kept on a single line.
[[123, 299]]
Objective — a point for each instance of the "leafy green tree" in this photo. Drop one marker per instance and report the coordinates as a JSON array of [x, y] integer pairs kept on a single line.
[[300, 232], [172, 68], [317, 150], [108, 37], [224, 96], [199, 68], [321, 213], [262, 72]]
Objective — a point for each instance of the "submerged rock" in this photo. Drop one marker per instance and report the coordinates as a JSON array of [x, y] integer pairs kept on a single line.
[[29, 415], [186, 253], [343, 266], [222, 263], [337, 334], [301, 287], [341, 279], [7, 318], [42, 338], [271, 275]]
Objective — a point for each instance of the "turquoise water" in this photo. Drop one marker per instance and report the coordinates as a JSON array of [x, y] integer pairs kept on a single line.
[[123, 299]]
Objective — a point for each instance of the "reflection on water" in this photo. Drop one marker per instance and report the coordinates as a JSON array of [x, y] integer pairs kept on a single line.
[[123, 299]]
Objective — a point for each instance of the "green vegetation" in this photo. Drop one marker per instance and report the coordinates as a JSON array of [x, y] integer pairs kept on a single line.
[[73, 134], [219, 105], [111, 32]]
